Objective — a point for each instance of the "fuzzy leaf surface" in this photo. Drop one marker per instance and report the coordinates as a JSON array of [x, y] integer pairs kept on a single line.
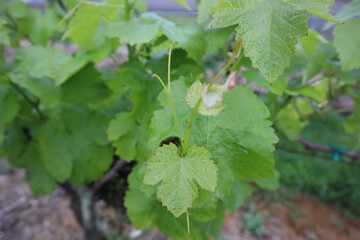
[[177, 190], [270, 29]]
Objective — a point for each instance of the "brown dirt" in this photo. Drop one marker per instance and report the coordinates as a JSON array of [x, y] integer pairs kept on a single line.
[[22, 217]]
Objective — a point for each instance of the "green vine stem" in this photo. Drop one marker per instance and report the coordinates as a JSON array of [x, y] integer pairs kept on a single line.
[[128, 13], [70, 13], [227, 65], [188, 224], [193, 114], [168, 91], [33, 104]]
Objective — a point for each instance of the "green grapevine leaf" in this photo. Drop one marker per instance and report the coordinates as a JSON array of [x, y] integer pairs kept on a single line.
[[44, 88], [84, 26], [91, 154], [9, 108], [289, 122], [347, 42], [86, 85], [4, 33], [128, 138], [41, 182], [177, 190], [270, 29], [206, 10], [216, 38], [189, 36], [55, 150], [44, 25], [234, 135], [68, 147], [240, 192], [142, 88], [129, 32], [16, 8]]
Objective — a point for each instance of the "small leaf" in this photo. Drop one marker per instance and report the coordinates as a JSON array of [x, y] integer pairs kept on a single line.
[[211, 104], [347, 43], [137, 31], [177, 190]]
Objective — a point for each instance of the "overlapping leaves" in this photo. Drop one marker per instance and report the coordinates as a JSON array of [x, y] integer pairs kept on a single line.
[[240, 135]]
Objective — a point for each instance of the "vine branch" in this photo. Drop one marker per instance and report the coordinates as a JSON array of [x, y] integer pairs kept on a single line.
[[113, 172], [314, 146], [33, 104]]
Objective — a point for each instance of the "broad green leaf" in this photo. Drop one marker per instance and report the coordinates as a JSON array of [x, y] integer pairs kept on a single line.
[[317, 93], [240, 192], [233, 135], [271, 182], [189, 36], [41, 182], [350, 77], [84, 26], [205, 10], [44, 25], [40, 70], [289, 122], [69, 4], [347, 43], [86, 85], [44, 88], [128, 138], [177, 190], [143, 89], [55, 152], [270, 29], [216, 38], [14, 145], [40, 61], [9, 108], [91, 154], [16, 8], [4, 33], [320, 60], [65, 70], [70, 148], [310, 42], [136, 31]]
